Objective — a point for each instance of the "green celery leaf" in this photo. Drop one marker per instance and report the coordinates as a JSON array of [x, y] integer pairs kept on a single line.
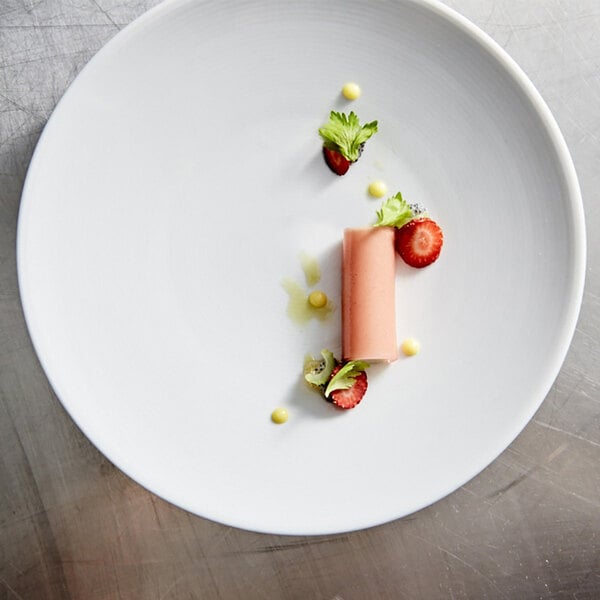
[[394, 212], [345, 134], [345, 377]]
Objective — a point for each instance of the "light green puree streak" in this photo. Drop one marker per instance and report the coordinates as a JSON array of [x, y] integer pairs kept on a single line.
[[311, 269], [299, 309]]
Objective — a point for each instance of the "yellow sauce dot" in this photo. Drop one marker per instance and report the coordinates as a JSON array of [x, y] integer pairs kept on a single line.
[[377, 189], [299, 309], [410, 347], [317, 299], [279, 416], [351, 91]]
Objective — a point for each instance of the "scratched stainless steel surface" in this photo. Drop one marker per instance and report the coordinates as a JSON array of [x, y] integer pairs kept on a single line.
[[73, 526]]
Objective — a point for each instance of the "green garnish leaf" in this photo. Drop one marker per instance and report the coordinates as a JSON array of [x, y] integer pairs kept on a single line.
[[345, 134], [318, 371], [394, 212], [345, 377]]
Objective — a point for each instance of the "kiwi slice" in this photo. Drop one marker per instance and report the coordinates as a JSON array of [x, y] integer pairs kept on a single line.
[[317, 371]]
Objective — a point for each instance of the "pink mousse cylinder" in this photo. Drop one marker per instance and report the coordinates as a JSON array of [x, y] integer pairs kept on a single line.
[[369, 295]]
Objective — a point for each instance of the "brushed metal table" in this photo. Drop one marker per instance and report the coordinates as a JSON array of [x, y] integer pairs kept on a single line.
[[73, 526]]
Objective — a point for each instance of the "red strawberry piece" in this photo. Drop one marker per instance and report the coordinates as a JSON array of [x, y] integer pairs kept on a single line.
[[350, 397], [419, 242], [336, 161]]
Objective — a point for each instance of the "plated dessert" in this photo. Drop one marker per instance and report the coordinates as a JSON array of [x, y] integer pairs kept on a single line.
[[368, 271]]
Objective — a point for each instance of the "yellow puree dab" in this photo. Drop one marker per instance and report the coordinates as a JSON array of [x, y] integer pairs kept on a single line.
[[410, 346], [317, 299], [351, 91], [378, 189], [279, 415]]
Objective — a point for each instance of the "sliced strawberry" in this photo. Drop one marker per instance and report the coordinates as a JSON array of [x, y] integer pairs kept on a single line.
[[338, 163], [419, 242], [350, 397]]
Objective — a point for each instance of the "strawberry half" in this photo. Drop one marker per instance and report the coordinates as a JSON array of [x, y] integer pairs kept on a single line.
[[419, 242], [336, 161], [351, 396]]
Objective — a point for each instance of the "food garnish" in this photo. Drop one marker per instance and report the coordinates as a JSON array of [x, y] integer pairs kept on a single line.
[[335, 161], [317, 371], [377, 189], [317, 299], [279, 415], [351, 91], [410, 346], [396, 212], [419, 242], [349, 397], [419, 239], [343, 384], [344, 139]]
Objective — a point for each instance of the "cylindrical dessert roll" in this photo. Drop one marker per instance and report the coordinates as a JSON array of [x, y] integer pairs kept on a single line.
[[368, 294]]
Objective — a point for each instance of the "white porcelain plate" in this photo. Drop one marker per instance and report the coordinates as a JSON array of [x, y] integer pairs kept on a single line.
[[176, 186]]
